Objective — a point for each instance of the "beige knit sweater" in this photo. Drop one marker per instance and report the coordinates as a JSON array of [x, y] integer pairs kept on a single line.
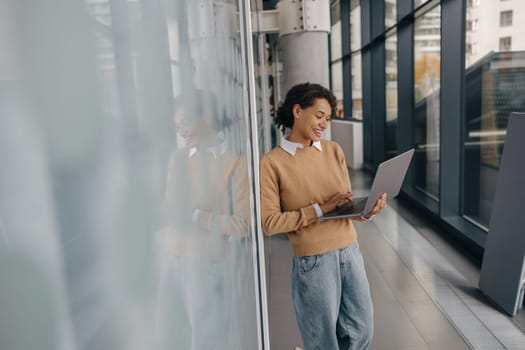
[[291, 184]]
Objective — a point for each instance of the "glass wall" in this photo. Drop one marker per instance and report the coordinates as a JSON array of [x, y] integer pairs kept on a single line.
[[427, 65], [126, 186], [447, 95], [355, 25], [336, 78], [357, 86], [390, 13], [419, 2], [495, 86], [391, 95], [356, 67], [336, 63]]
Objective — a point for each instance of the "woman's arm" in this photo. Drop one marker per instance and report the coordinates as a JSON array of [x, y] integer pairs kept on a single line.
[[274, 220]]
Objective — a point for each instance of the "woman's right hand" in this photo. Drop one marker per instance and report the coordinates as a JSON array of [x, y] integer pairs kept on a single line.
[[335, 200]]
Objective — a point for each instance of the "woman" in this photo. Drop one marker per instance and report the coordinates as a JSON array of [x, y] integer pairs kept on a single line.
[[300, 180]]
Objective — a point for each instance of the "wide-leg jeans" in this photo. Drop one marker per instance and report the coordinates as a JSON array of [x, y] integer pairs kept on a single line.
[[332, 300]]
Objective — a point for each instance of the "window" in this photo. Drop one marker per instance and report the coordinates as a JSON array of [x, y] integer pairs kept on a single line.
[[505, 43], [391, 95], [336, 65], [427, 67], [336, 72], [471, 49], [475, 25], [419, 2], [357, 87], [355, 25], [505, 18], [494, 87], [390, 13]]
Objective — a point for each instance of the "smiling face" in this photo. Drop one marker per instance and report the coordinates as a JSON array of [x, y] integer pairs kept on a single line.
[[311, 122]]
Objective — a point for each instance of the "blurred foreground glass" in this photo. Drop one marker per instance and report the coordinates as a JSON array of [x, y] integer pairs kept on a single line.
[[125, 216]]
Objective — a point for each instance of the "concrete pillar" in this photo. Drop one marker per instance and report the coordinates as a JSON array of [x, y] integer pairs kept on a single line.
[[304, 26], [305, 58]]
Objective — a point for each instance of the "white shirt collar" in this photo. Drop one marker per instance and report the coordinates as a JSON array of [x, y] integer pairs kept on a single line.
[[291, 147], [216, 151]]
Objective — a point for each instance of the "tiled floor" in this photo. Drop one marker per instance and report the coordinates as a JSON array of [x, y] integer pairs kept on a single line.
[[423, 288]]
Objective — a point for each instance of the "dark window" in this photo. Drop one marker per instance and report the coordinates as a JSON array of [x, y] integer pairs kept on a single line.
[[505, 18], [505, 44]]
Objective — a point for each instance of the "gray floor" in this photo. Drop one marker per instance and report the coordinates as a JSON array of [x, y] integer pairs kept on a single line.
[[423, 288]]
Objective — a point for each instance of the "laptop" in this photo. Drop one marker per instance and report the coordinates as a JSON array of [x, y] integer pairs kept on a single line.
[[389, 179]]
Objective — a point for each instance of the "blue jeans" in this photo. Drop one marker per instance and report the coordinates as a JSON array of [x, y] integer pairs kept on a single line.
[[332, 300]]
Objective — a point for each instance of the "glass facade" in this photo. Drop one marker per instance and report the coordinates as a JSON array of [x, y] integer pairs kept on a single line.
[[336, 54], [427, 69], [335, 32], [390, 13], [391, 95], [419, 2], [357, 86], [336, 77], [356, 72], [355, 25], [446, 95], [495, 86], [126, 190]]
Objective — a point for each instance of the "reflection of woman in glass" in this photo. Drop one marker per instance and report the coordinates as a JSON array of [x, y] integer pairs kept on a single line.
[[205, 199], [301, 179]]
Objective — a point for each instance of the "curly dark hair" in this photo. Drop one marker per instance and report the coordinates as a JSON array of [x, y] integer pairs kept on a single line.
[[304, 95]]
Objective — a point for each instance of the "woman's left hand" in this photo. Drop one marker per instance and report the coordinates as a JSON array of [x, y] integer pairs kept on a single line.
[[380, 205]]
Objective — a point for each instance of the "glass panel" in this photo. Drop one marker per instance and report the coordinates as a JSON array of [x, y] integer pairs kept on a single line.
[[390, 13], [262, 65], [336, 48], [337, 86], [495, 86], [125, 216], [505, 43], [275, 82], [355, 25], [335, 32], [419, 2], [357, 87], [391, 95], [505, 19], [427, 64]]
